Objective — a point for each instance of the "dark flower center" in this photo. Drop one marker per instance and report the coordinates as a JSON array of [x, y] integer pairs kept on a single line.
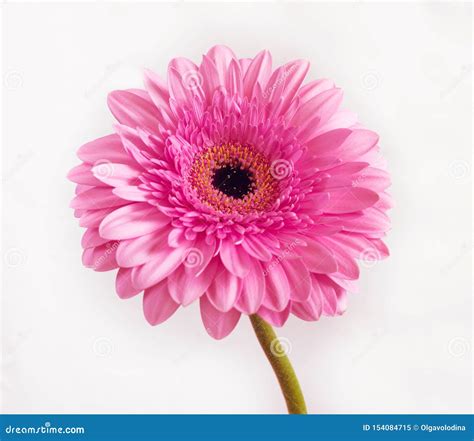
[[233, 180]]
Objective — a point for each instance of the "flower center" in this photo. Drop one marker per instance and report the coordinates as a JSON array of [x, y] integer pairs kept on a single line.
[[233, 178]]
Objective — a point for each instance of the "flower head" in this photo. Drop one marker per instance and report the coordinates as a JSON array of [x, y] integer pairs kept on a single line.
[[235, 184]]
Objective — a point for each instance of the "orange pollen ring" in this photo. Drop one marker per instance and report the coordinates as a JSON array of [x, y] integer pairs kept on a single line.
[[263, 187]]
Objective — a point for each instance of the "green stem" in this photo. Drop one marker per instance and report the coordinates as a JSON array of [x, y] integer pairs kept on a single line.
[[281, 365]]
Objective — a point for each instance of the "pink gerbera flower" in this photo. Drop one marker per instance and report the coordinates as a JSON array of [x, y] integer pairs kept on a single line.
[[233, 184]]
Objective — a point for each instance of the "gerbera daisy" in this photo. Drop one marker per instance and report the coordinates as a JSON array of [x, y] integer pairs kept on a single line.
[[233, 184]]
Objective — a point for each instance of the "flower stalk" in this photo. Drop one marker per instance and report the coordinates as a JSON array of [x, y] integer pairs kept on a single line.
[[281, 365]]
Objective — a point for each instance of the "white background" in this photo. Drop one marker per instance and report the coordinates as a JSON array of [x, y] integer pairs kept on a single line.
[[71, 346]]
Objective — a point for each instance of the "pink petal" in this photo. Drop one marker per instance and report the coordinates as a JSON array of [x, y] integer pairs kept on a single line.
[[359, 246], [234, 83], [329, 294], [314, 305], [347, 285], [311, 309], [176, 237], [132, 221], [342, 119], [131, 193], [160, 96], [372, 221], [218, 324], [137, 251], [182, 65], [185, 287], [82, 174], [135, 147], [319, 108], [116, 175], [244, 64], [258, 72], [81, 188], [123, 284], [347, 267], [317, 258], [328, 143], [349, 199], [381, 247], [385, 202], [278, 288], [221, 56], [165, 261], [96, 198], [256, 248], [198, 255], [91, 238], [133, 111], [79, 213], [107, 148], [373, 178], [183, 80], [210, 76], [234, 258], [275, 318], [348, 168], [341, 302], [299, 279], [273, 91], [93, 218], [253, 290], [313, 88], [359, 143], [158, 306], [295, 72], [101, 258], [224, 290], [349, 174]]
